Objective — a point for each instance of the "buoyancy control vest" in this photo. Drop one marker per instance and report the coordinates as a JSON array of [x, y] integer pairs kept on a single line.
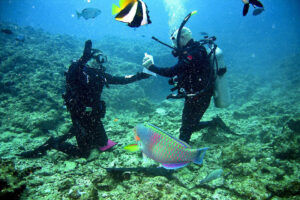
[[84, 86], [196, 76]]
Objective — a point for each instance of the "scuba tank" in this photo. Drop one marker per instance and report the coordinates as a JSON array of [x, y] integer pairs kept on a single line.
[[221, 96], [221, 92]]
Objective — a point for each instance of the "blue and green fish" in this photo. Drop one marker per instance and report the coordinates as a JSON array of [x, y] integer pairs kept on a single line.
[[160, 146]]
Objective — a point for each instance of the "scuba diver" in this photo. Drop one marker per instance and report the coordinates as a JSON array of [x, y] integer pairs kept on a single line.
[[193, 78], [84, 86]]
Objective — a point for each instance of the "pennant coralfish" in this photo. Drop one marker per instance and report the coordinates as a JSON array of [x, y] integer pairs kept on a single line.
[[160, 146]]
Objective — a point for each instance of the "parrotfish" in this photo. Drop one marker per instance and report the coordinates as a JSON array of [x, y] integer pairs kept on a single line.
[[162, 147]]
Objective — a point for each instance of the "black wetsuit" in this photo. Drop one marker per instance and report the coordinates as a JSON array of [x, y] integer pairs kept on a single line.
[[84, 86], [83, 92], [194, 76]]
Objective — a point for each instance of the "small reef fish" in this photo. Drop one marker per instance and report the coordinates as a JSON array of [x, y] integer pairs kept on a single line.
[[254, 3], [20, 38], [88, 13], [203, 33], [116, 119], [162, 147], [132, 148], [132, 12], [6, 31], [212, 176]]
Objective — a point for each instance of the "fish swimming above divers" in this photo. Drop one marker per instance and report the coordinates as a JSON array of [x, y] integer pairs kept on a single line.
[[162, 147], [254, 3], [88, 13], [133, 12]]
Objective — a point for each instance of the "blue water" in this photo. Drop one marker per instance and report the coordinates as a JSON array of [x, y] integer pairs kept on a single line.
[[273, 33], [251, 44]]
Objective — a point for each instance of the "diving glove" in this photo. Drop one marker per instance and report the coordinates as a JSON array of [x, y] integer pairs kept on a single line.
[[148, 61]]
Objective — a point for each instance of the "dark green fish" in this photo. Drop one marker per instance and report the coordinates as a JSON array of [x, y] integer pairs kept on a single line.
[[7, 31], [88, 13], [153, 171], [212, 176]]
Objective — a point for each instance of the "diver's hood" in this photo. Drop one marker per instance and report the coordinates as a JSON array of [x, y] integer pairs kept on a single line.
[[180, 37]]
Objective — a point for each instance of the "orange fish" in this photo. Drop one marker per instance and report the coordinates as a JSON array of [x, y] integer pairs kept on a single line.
[[115, 120]]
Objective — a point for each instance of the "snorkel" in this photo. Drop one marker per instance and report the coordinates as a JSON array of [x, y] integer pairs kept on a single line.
[[179, 48], [177, 51]]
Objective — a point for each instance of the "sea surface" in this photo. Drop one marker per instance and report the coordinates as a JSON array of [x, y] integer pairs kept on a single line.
[[40, 38]]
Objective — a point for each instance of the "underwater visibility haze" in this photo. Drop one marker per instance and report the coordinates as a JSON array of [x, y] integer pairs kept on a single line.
[[254, 153]]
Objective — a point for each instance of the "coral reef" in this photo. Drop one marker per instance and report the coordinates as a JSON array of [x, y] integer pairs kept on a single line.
[[11, 181]]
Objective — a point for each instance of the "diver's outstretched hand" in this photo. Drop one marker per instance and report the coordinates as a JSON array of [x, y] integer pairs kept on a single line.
[[142, 75], [148, 61]]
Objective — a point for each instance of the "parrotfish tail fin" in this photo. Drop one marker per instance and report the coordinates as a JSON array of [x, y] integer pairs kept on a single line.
[[245, 10], [257, 3], [200, 155], [115, 9], [174, 165], [78, 14]]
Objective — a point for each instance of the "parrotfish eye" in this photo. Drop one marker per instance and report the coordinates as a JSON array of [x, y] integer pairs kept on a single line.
[[173, 38]]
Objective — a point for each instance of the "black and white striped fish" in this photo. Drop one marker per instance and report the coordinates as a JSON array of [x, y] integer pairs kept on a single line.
[[132, 12]]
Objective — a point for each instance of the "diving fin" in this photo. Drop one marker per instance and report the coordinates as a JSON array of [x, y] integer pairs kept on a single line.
[[220, 123]]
